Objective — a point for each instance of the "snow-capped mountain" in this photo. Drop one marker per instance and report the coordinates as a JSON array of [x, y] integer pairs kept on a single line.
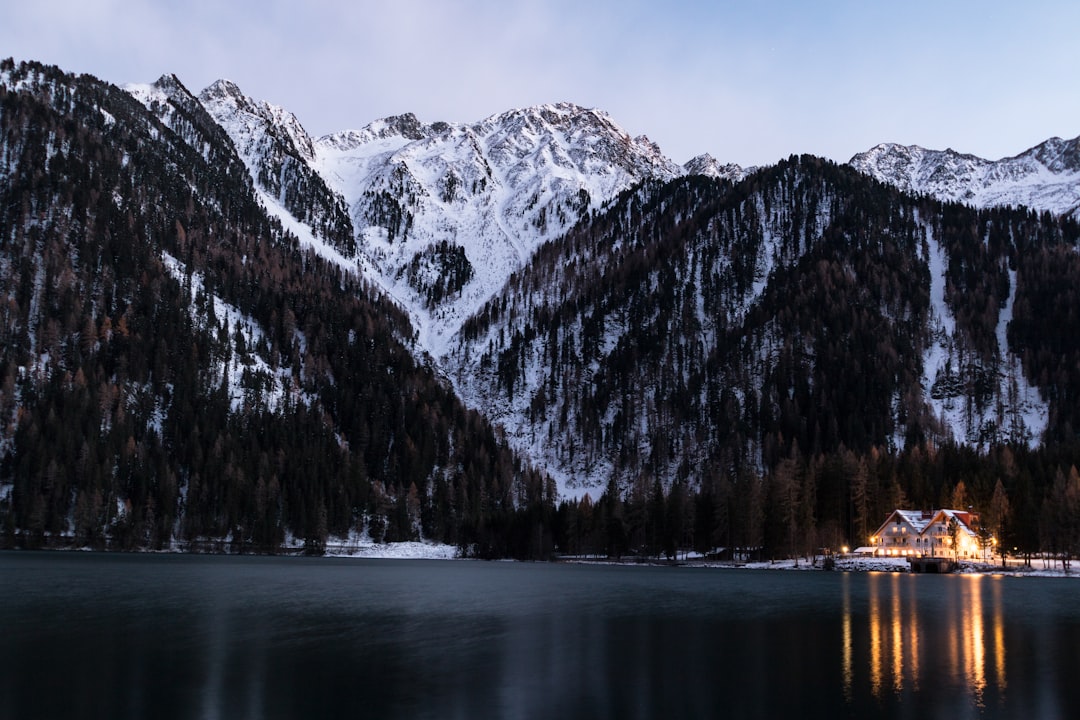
[[472, 202], [709, 166], [260, 123], [1046, 177], [445, 214], [441, 213]]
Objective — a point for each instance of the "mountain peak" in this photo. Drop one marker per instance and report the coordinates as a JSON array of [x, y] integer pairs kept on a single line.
[[565, 118], [482, 196], [553, 113], [1059, 156], [241, 116], [709, 166], [406, 125], [220, 89], [163, 90], [170, 84]]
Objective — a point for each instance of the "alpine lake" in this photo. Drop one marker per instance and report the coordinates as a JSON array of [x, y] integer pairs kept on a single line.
[[89, 635]]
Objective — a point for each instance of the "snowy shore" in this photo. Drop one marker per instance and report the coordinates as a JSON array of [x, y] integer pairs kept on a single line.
[[1014, 568], [873, 564], [361, 546], [395, 551]]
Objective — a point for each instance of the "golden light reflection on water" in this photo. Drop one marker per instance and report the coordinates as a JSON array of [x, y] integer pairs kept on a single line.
[[913, 642], [875, 637], [897, 626], [975, 640], [847, 661], [955, 638], [999, 636]]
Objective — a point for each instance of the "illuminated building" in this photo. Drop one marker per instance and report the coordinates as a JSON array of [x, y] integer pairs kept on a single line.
[[932, 533]]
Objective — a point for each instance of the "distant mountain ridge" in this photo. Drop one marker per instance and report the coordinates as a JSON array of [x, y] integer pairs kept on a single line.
[[1045, 177]]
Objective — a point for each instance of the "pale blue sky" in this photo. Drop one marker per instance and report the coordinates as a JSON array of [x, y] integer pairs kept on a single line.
[[748, 82]]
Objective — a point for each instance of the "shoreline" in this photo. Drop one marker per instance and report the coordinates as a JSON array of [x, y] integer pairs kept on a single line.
[[846, 564], [420, 550]]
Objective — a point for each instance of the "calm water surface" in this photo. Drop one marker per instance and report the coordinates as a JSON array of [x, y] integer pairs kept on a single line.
[[136, 636]]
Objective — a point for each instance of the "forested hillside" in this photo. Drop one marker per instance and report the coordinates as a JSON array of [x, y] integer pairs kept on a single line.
[[794, 354], [176, 370]]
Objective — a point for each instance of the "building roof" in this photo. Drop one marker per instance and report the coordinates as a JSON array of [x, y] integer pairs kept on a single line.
[[964, 518], [919, 520]]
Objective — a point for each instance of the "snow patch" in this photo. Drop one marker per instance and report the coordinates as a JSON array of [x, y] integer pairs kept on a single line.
[[242, 372], [397, 551], [1016, 412]]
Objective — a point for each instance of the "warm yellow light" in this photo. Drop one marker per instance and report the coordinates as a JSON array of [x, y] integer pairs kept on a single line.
[[844, 549]]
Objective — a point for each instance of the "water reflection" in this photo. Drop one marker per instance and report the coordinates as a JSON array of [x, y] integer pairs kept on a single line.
[[999, 637], [234, 638], [948, 630], [847, 670]]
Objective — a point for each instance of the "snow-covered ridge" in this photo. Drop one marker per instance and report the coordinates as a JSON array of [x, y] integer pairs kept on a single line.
[[497, 189], [254, 123], [1045, 177], [279, 155], [398, 129], [150, 93]]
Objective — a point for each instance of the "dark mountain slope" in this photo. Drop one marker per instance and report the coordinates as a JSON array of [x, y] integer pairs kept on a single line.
[[772, 366], [175, 369], [697, 324]]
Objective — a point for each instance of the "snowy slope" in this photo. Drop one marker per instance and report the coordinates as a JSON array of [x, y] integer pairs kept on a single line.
[[180, 110], [1046, 177], [255, 126], [495, 189], [1017, 412]]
